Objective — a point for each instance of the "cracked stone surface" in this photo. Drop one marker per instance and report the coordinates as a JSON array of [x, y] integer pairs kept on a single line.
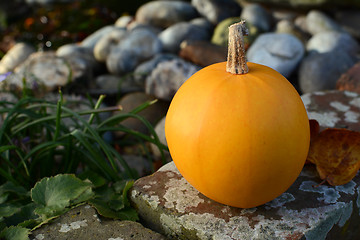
[[168, 204], [84, 223]]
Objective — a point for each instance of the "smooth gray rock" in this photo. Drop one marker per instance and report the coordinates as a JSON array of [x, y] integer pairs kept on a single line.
[[217, 10], [163, 14], [124, 21], [93, 38], [15, 56], [172, 37], [288, 26], [332, 40], [81, 59], [144, 69], [167, 78], [42, 71], [139, 45], [203, 23], [320, 71], [257, 16], [83, 222], [317, 21], [280, 51], [107, 42]]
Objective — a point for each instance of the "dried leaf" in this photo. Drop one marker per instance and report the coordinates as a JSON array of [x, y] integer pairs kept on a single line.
[[336, 153], [314, 128], [314, 131]]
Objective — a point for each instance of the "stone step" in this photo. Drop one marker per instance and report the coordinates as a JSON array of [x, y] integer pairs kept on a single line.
[[84, 223], [167, 203]]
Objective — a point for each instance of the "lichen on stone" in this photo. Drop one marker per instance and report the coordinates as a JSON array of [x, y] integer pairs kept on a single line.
[[181, 195], [355, 102], [330, 195], [74, 225], [306, 99], [350, 94], [339, 106], [280, 201], [328, 119], [330, 215], [352, 117], [40, 237], [348, 188]]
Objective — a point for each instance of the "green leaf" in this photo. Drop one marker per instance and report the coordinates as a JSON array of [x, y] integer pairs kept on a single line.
[[85, 196], [15, 233], [7, 210], [3, 197], [49, 212], [24, 213], [57, 192], [93, 177], [126, 189], [104, 210], [11, 187]]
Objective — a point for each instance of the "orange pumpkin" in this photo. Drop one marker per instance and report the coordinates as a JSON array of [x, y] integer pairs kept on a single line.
[[238, 132]]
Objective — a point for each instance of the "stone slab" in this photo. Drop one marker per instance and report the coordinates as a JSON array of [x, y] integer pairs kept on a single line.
[[334, 109], [167, 203], [83, 223]]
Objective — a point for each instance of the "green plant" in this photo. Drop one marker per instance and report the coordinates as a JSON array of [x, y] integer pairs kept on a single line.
[[46, 148]]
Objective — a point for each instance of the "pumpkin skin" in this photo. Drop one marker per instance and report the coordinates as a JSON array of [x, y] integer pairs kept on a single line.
[[241, 140]]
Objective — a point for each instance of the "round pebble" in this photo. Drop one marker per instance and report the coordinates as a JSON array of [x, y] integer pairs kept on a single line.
[[163, 14], [332, 40], [172, 37], [317, 22], [217, 10], [15, 56], [257, 16], [107, 41], [167, 78], [139, 45], [279, 51], [320, 71]]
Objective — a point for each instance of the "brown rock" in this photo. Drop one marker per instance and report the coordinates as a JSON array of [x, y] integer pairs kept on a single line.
[[153, 113], [202, 53], [350, 80]]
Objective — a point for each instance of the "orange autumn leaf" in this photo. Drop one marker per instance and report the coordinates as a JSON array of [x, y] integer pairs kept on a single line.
[[336, 153]]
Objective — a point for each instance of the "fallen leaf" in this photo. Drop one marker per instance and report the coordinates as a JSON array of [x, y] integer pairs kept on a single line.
[[314, 131], [314, 128], [336, 153]]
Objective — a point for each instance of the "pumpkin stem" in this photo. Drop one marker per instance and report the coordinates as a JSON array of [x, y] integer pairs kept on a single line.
[[236, 60]]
